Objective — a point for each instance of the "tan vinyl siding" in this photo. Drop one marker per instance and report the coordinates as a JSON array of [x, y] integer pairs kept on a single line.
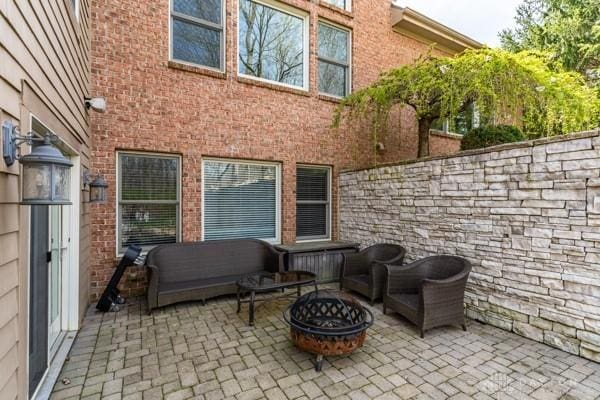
[[44, 71]]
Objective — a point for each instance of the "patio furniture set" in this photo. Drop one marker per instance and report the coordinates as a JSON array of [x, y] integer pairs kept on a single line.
[[428, 292]]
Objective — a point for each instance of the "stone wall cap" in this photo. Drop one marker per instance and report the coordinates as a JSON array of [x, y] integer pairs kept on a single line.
[[501, 147], [451, 135]]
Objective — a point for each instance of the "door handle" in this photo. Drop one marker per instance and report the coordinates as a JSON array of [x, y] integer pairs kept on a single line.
[[48, 256]]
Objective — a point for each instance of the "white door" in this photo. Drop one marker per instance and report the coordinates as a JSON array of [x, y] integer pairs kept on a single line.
[[55, 277]]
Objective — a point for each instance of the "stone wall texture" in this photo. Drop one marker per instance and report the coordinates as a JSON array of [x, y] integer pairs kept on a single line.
[[526, 215]]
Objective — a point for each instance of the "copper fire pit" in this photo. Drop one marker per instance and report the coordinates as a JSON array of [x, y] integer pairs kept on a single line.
[[328, 323]]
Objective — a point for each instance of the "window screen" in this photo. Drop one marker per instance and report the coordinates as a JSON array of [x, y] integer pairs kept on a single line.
[[312, 202], [148, 200], [240, 200]]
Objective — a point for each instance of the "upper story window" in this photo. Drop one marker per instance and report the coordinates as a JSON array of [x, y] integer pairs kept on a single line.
[[273, 43], [334, 60], [148, 197], [343, 4], [197, 32]]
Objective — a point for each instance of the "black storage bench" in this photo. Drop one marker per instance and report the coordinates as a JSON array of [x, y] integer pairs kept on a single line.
[[325, 259]]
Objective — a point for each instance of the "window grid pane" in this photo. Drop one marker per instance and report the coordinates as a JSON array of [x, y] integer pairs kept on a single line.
[[148, 224], [148, 200], [209, 10], [271, 44], [312, 202], [240, 200], [333, 43], [332, 79], [311, 220]]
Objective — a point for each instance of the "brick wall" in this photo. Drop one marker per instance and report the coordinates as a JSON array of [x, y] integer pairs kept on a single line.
[[161, 106], [442, 143], [526, 215]]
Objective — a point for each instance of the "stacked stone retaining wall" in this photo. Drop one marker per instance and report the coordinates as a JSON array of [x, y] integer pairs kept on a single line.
[[526, 215]]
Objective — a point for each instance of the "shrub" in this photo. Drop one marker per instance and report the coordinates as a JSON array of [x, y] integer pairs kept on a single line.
[[486, 136]]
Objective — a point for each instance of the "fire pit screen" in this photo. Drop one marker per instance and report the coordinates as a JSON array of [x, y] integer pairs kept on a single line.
[[328, 323]]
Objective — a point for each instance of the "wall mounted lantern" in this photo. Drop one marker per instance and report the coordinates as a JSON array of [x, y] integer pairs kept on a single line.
[[97, 187], [46, 171]]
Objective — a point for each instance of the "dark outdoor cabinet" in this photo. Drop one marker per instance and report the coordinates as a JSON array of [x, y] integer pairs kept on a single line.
[[323, 258]]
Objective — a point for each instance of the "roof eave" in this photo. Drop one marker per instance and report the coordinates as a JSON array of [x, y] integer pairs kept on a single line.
[[420, 27]]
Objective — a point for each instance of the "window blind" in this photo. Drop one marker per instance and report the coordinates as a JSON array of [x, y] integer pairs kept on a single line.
[[312, 202], [240, 200], [148, 200]]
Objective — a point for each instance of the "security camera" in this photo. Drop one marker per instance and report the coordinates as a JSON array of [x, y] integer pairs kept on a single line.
[[96, 103]]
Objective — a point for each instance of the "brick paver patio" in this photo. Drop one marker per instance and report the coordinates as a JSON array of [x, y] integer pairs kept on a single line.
[[208, 352]]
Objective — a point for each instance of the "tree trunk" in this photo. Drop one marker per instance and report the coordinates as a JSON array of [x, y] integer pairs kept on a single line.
[[424, 126]]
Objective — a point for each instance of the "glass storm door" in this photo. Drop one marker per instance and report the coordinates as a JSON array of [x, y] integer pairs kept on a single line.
[[38, 295], [55, 277]]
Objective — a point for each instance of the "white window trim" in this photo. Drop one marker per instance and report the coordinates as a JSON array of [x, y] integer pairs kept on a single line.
[[349, 61], [330, 202], [277, 165], [306, 43], [223, 41], [119, 251]]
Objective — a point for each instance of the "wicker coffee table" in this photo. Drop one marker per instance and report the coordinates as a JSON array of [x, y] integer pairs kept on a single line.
[[270, 281]]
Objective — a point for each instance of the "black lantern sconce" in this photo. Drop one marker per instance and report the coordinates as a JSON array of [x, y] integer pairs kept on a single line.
[[97, 186], [46, 171]]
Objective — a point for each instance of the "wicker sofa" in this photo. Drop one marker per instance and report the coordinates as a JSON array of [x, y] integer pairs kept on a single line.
[[201, 270], [364, 272], [429, 292]]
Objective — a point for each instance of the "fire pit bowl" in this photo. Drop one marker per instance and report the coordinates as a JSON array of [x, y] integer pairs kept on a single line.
[[328, 323]]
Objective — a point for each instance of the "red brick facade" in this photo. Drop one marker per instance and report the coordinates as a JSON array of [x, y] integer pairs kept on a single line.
[[161, 106]]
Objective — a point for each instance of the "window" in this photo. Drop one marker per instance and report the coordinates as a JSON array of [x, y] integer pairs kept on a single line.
[[461, 124], [313, 202], [197, 32], [240, 200], [343, 4], [272, 44], [148, 199], [334, 65]]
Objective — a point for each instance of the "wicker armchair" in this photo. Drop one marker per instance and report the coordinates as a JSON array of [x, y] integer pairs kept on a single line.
[[364, 272], [429, 292]]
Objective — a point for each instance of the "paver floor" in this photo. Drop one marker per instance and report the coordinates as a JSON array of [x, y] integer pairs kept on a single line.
[[208, 352]]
